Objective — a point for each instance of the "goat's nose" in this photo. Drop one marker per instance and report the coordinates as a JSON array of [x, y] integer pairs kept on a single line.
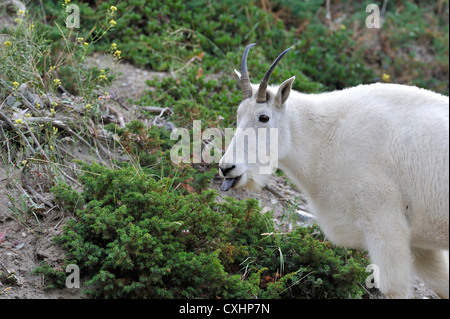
[[225, 169]]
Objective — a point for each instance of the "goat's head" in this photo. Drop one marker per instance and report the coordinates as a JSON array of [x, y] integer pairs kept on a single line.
[[252, 154]]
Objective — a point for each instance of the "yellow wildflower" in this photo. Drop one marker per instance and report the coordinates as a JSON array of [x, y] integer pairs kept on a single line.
[[19, 121], [38, 106], [88, 106], [112, 23], [85, 44], [21, 13], [28, 115], [386, 77], [113, 46], [113, 8], [117, 53], [56, 82], [80, 40], [52, 111], [24, 162], [15, 84], [7, 43]]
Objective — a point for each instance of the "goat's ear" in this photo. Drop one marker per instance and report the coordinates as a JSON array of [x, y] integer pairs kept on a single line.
[[238, 74], [283, 91]]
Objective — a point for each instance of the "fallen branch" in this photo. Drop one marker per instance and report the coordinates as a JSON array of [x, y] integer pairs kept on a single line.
[[157, 118], [3, 136], [188, 63], [154, 109], [39, 147], [37, 195], [58, 122], [32, 108], [118, 115], [15, 129], [45, 119], [120, 100], [274, 192], [8, 121]]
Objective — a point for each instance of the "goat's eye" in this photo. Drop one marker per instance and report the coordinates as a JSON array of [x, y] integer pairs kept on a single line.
[[263, 118]]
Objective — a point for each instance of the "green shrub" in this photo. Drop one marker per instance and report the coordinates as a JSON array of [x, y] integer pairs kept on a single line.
[[332, 58], [136, 239], [67, 197], [149, 149], [210, 35], [54, 278], [196, 98]]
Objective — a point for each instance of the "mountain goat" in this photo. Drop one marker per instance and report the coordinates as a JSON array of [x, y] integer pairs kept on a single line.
[[372, 161]]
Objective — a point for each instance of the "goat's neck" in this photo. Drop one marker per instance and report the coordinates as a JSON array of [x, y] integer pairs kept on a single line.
[[308, 127]]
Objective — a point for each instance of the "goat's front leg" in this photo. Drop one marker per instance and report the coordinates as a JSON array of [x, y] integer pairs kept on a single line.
[[388, 243]]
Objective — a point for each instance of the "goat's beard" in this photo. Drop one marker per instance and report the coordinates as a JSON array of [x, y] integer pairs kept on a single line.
[[253, 181]]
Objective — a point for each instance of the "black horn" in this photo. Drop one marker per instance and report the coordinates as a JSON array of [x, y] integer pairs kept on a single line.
[[245, 79], [261, 95]]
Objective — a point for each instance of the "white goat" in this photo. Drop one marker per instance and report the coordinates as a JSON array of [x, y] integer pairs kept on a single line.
[[373, 162]]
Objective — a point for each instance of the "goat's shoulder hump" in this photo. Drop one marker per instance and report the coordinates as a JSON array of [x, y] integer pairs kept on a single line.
[[399, 90]]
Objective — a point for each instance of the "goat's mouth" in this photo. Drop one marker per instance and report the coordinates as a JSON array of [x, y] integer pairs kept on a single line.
[[229, 183]]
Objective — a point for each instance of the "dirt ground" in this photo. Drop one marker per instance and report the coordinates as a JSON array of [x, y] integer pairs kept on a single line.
[[23, 249]]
